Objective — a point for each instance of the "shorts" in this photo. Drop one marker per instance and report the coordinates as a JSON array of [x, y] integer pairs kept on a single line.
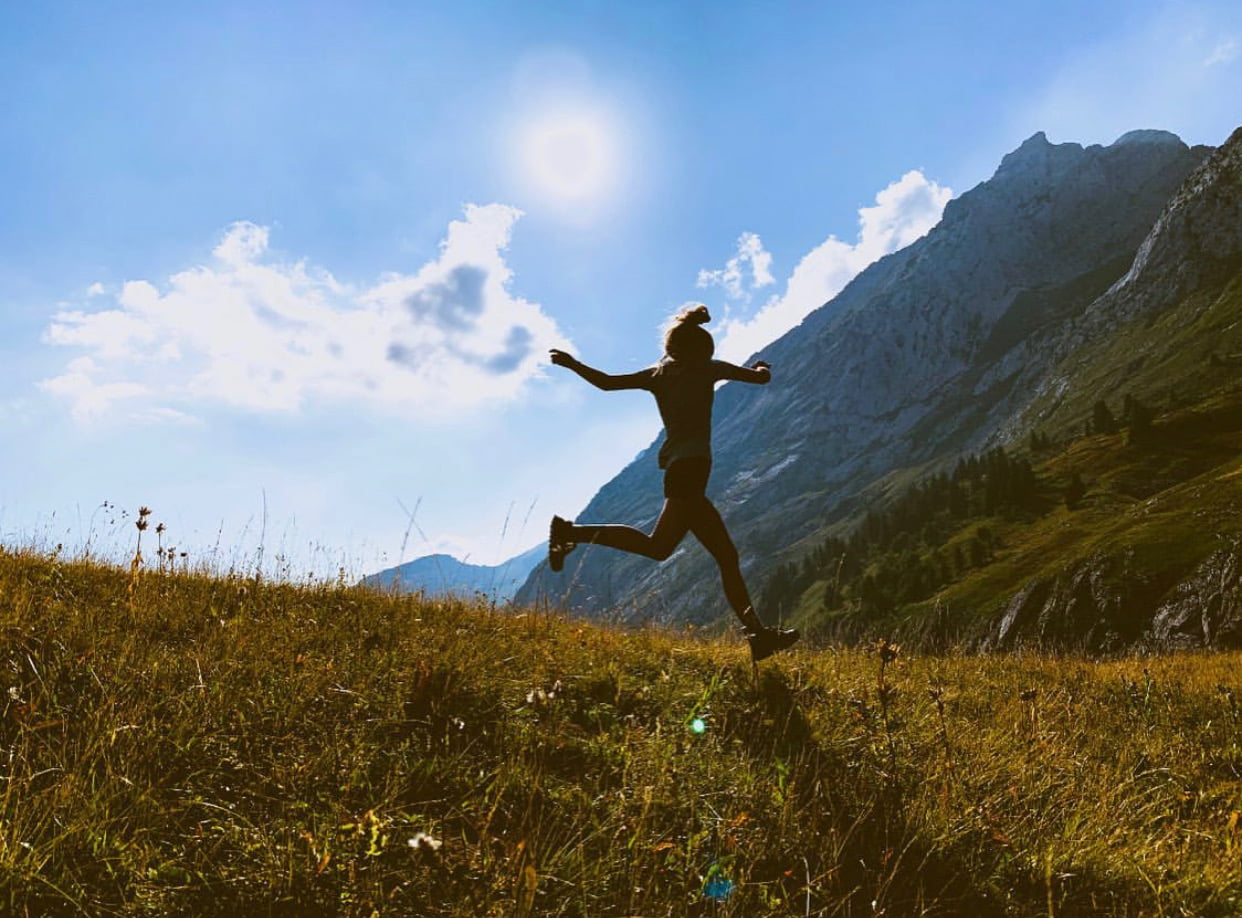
[[686, 479]]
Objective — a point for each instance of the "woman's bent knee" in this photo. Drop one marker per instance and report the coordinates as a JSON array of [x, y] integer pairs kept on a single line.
[[662, 552]]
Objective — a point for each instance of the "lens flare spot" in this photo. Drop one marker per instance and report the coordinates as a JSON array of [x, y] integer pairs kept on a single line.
[[717, 886]]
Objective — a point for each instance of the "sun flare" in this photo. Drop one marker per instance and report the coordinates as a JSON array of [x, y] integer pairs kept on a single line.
[[570, 158]]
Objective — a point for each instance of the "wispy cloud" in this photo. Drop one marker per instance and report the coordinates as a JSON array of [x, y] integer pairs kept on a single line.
[[732, 277], [902, 212], [1224, 53], [249, 331]]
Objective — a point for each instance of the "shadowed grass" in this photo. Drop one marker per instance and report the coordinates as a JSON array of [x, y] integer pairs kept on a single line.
[[225, 746]]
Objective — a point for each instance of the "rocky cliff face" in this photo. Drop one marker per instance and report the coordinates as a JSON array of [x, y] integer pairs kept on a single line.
[[1196, 243], [1205, 609], [921, 357], [1109, 602]]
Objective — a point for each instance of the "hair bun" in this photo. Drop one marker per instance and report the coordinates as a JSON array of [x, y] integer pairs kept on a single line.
[[695, 315]]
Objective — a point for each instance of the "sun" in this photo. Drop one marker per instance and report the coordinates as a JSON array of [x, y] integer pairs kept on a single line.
[[571, 158]]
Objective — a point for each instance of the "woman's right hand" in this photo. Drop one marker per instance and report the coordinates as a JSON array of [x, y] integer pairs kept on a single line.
[[561, 358]]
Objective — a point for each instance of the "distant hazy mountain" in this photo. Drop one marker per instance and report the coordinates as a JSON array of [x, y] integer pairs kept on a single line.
[[444, 575], [931, 352]]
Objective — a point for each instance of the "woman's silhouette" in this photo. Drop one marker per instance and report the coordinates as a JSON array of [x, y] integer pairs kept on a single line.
[[683, 383]]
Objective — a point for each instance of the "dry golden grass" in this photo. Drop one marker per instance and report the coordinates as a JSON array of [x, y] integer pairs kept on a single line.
[[218, 745]]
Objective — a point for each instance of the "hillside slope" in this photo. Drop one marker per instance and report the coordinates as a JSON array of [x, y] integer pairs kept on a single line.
[[197, 745]]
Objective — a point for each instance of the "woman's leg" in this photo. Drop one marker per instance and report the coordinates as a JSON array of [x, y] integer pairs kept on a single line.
[[669, 530], [709, 529]]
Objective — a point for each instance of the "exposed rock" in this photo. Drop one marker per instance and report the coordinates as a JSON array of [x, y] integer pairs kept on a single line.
[[1109, 604], [1197, 240], [1100, 606], [1205, 610]]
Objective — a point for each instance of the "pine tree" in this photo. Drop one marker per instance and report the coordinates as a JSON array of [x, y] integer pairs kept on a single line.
[[1102, 420], [1138, 421], [1075, 491]]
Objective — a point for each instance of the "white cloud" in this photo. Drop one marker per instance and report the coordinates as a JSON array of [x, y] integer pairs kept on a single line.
[[249, 331], [903, 212], [732, 277], [88, 395]]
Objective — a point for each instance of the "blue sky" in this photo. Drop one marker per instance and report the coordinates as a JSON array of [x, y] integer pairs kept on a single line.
[[287, 273]]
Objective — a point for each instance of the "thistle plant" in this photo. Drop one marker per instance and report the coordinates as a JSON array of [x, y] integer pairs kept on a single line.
[[135, 564], [936, 694], [159, 541], [887, 694]]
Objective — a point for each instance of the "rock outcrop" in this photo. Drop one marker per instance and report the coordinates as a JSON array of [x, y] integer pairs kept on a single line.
[[1204, 610], [1109, 604]]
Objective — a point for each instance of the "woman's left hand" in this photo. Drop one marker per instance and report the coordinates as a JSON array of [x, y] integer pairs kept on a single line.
[[561, 358]]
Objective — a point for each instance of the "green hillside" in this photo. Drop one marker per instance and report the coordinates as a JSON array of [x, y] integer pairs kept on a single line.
[[217, 745], [1146, 423]]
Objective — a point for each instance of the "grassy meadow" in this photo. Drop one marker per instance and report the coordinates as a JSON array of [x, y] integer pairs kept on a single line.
[[220, 745]]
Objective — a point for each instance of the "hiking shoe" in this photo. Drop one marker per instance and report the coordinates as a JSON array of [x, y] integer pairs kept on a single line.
[[558, 543], [771, 640]]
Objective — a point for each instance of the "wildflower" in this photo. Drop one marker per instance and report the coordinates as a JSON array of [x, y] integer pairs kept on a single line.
[[888, 652], [539, 696], [424, 842]]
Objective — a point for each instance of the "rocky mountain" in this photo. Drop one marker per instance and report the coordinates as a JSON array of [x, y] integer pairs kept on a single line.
[[444, 575], [1170, 573], [964, 338]]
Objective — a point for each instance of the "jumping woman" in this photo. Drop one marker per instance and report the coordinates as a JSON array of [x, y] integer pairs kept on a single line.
[[683, 383]]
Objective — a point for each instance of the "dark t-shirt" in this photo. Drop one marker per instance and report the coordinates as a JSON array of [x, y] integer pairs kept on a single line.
[[684, 392]]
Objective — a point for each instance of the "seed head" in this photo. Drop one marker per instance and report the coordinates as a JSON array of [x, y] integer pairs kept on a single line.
[[888, 652], [1028, 694], [144, 511]]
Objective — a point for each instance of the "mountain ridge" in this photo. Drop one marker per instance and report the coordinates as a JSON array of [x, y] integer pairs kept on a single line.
[[923, 356], [441, 575]]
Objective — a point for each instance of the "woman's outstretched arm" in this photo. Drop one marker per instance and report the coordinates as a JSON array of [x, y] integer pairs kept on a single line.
[[599, 379], [760, 373]]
